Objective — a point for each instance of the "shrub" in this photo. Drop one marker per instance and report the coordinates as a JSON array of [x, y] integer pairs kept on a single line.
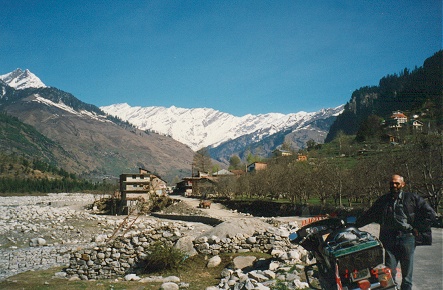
[[163, 257]]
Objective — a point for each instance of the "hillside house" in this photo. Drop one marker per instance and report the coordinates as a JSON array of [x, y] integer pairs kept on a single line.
[[184, 187], [200, 186], [204, 186], [255, 166], [389, 138], [281, 153], [222, 172], [397, 119], [140, 186], [302, 157], [417, 125]]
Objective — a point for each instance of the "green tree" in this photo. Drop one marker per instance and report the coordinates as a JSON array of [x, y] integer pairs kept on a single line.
[[370, 129], [215, 168], [311, 144], [235, 162], [251, 158]]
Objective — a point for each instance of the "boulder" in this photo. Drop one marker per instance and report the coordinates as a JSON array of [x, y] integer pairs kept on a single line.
[[214, 262], [186, 245], [169, 286], [242, 262], [37, 242], [132, 277]]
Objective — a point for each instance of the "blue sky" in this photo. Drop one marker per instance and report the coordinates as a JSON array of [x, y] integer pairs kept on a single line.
[[239, 57]]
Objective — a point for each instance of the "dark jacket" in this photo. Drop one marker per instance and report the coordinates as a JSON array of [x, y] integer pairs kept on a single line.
[[419, 213]]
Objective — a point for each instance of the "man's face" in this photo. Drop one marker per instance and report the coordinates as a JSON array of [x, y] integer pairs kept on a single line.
[[396, 184]]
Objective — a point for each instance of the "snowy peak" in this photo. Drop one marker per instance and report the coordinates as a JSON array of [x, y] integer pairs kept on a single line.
[[203, 127], [20, 79]]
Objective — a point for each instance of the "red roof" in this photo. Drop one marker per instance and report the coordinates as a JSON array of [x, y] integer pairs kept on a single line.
[[398, 115]]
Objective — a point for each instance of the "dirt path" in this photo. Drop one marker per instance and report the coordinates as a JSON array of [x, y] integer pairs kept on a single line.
[[220, 212], [217, 210]]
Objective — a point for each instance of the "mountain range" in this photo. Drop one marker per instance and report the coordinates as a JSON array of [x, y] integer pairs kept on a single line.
[[208, 128], [119, 138], [81, 138]]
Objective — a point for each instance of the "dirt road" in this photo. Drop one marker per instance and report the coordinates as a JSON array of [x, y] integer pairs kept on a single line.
[[217, 210]]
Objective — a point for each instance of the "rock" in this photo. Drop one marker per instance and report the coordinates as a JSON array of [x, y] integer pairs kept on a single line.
[[242, 262], [174, 279], [167, 234], [214, 262], [169, 286], [292, 277], [213, 240], [295, 255], [248, 285], [282, 232], [186, 245], [251, 240], [262, 287], [37, 242], [276, 252], [270, 274], [257, 276], [154, 279], [274, 266], [132, 277], [116, 255], [226, 273], [100, 238], [183, 285], [300, 285], [60, 275]]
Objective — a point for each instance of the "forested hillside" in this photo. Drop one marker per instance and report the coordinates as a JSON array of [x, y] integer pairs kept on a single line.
[[416, 92]]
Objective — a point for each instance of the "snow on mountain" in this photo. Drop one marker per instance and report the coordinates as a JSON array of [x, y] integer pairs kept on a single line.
[[202, 127], [63, 106], [20, 79]]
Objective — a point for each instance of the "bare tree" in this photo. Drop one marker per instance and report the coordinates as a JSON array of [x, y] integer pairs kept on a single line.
[[202, 161], [424, 166], [226, 187], [297, 187]]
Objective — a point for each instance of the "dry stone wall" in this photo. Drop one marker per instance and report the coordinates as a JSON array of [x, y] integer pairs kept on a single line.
[[35, 258], [124, 255]]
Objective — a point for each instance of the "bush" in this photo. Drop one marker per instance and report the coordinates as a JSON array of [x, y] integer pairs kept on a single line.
[[163, 257]]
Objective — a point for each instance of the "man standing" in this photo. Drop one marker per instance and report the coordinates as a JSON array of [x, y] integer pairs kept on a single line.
[[405, 221]]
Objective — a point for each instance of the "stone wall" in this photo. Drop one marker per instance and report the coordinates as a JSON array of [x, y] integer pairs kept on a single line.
[[35, 258], [124, 255]]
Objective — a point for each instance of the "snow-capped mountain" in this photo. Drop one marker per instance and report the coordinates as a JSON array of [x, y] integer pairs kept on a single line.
[[62, 130], [20, 79], [203, 127], [199, 127]]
